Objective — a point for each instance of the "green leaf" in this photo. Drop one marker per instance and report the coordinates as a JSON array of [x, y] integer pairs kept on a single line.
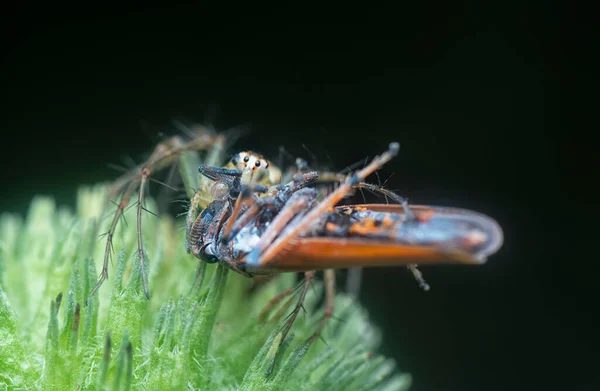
[[203, 328]]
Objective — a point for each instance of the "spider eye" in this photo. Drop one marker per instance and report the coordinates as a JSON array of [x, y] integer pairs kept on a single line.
[[234, 160], [246, 159], [257, 164]]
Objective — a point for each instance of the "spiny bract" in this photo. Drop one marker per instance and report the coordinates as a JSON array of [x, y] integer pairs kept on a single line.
[[202, 328]]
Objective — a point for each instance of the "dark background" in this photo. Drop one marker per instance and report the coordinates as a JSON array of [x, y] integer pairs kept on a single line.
[[474, 94]]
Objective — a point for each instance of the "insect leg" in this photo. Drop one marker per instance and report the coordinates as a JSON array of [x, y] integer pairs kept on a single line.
[[193, 212], [329, 202], [201, 225]]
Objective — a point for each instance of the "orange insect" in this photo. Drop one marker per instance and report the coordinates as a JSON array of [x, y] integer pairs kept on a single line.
[[289, 229]]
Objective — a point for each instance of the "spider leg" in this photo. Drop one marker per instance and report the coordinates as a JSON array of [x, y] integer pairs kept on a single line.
[[308, 277], [145, 173], [163, 155], [125, 197], [329, 305]]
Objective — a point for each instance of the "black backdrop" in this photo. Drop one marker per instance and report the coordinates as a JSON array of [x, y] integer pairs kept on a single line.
[[470, 92]]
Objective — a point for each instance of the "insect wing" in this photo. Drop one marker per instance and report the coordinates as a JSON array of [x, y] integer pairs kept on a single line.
[[384, 235]]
